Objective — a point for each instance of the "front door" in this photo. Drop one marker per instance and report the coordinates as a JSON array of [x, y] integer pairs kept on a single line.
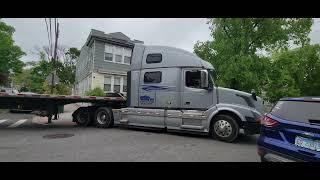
[[193, 96]]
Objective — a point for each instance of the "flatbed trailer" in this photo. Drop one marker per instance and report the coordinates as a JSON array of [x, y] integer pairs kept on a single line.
[[50, 105]]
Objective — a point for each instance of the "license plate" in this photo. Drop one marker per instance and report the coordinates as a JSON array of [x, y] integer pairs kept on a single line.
[[307, 143]]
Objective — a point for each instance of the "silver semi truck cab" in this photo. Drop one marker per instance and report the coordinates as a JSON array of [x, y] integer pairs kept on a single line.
[[175, 90]]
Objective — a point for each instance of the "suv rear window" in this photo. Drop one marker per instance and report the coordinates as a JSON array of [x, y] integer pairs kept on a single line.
[[297, 111]]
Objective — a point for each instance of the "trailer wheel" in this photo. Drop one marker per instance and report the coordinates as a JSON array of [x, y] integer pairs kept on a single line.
[[83, 117], [103, 117], [224, 128]]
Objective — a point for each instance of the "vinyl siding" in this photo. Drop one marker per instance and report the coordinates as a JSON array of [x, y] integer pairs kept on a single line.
[[84, 64], [101, 64]]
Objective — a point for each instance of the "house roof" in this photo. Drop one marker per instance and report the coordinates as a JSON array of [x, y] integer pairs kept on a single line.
[[119, 35], [117, 38]]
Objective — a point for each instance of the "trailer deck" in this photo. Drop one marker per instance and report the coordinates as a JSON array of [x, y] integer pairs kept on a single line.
[[48, 105]]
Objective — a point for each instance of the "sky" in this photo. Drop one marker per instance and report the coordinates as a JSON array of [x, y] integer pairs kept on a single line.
[[177, 32]]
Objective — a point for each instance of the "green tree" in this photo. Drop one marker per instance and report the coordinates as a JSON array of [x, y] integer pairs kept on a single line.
[[60, 88], [23, 80], [10, 53], [295, 72], [73, 53], [68, 70], [34, 79], [69, 67], [239, 47]]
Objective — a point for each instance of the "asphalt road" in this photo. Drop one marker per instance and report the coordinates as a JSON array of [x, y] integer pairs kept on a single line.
[[24, 137]]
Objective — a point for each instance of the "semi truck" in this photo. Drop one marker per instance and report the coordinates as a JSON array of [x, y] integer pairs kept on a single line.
[[168, 88]]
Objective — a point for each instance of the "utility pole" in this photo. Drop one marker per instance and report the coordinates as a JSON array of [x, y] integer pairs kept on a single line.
[[55, 53], [56, 41], [54, 60]]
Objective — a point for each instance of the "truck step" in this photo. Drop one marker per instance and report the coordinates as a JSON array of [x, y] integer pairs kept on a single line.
[[191, 127], [123, 121]]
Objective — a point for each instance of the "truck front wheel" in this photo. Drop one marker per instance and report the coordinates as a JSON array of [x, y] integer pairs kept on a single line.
[[103, 117], [224, 128]]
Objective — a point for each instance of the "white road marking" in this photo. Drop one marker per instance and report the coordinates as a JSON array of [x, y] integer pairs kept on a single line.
[[18, 123], [3, 120]]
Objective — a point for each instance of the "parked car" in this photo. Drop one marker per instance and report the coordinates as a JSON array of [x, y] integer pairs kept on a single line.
[[291, 131]]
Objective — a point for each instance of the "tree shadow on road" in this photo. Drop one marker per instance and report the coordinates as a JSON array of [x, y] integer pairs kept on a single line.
[[242, 139]]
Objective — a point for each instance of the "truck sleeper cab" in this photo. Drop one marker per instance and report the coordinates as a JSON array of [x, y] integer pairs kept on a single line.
[[173, 89]]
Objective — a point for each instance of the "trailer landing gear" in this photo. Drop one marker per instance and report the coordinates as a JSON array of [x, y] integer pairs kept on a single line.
[[49, 119], [55, 117]]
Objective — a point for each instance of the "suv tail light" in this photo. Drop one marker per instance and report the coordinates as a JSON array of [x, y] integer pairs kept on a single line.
[[269, 122]]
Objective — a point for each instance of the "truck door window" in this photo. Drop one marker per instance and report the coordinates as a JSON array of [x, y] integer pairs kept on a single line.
[[193, 79], [154, 58], [152, 77]]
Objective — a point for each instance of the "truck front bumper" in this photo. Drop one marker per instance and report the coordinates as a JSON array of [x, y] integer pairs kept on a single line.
[[251, 127]]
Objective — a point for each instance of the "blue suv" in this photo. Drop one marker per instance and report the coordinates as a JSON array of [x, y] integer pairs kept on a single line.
[[291, 131]]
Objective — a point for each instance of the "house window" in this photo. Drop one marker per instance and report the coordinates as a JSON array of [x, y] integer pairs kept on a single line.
[[127, 59], [116, 86], [108, 56], [124, 84], [154, 58], [121, 55], [193, 79], [118, 58], [107, 83], [152, 77]]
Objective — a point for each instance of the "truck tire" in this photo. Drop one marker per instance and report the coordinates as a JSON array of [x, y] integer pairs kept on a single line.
[[103, 118], [82, 117], [224, 128]]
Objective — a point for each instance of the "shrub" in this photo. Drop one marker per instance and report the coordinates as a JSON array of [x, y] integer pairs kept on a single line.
[[60, 89], [95, 92]]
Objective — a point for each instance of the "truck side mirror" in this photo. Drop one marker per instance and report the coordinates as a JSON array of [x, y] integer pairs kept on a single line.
[[254, 95], [204, 79]]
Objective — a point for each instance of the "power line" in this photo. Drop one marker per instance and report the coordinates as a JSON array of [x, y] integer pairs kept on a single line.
[[56, 33], [50, 39], [48, 34], [56, 28]]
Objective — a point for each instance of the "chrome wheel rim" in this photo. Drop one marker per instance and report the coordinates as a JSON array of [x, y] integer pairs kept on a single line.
[[102, 117], [223, 128]]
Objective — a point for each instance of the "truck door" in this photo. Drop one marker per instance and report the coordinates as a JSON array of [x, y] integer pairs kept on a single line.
[[146, 115], [193, 96], [149, 85]]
